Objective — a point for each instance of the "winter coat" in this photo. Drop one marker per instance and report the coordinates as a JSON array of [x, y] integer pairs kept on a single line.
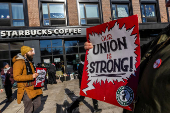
[[153, 94], [9, 76], [52, 69], [1, 85], [20, 75]]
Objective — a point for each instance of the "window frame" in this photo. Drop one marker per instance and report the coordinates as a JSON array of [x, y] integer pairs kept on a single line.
[[157, 11], [84, 5], [84, 2], [129, 3], [25, 13], [64, 2]]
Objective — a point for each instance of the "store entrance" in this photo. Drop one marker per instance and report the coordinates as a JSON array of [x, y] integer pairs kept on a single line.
[[63, 52]]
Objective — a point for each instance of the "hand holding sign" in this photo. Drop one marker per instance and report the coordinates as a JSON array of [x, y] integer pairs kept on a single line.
[[88, 45], [35, 75], [39, 81]]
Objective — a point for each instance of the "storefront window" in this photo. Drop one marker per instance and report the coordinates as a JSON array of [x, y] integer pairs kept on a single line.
[[16, 45], [45, 43], [53, 14], [14, 53], [4, 46], [71, 50], [72, 61], [56, 43], [89, 14], [17, 16], [4, 54], [58, 50], [46, 51], [71, 43]]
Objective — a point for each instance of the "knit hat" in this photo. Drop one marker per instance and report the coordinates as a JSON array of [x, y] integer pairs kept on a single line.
[[4, 64], [25, 49]]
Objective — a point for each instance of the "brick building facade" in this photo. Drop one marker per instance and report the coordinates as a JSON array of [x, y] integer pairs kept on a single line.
[[56, 29]]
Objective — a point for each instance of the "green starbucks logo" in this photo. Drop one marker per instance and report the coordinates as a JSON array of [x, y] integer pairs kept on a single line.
[[124, 95]]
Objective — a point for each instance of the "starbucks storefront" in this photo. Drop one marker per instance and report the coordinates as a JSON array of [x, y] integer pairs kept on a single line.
[[62, 46]]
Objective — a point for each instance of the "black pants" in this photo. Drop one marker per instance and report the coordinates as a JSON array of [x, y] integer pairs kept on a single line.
[[8, 91], [31, 105], [81, 98], [52, 78], [45, 84]]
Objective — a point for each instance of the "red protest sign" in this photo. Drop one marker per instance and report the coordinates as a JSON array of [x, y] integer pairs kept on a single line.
[[111, 68], [39, 81]]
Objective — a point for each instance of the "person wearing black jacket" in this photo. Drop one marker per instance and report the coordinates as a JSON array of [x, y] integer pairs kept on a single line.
[[51, 74], [75, 104]]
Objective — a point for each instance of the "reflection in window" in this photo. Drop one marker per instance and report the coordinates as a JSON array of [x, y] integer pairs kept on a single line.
[[17, 14], [4, 11], [82, 50], [56, 10], [89, 14], [71, 50], [56, 43], [71, 43], [46, 51], [4, 15], [53, 14], [4, 54], [72, 61], [58, 50], [16, 45], [92, 11], [17, 17], [45, 43], [148, 13], [4, 46], [14, 53], [120, 11]]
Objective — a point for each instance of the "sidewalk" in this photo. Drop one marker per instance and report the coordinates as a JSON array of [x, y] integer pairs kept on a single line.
[[56, 95]]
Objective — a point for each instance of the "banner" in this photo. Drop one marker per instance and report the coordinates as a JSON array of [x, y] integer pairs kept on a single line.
[[111, 68], [39, 81]]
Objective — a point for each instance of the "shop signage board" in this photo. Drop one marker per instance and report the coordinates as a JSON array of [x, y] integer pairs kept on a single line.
[[39, 81], [40, 32], [111, 68]]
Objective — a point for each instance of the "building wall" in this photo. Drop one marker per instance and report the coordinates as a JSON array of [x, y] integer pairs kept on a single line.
[[33, 13], [106, 10], [72, 12], [136, 9], [163, 11]]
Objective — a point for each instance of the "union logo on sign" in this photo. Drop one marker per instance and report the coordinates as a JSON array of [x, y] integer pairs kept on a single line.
[[124, 95]]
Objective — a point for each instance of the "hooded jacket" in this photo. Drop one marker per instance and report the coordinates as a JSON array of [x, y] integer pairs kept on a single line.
[[20, 75]]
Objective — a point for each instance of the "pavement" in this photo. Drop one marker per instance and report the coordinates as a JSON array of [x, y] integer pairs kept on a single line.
[[54, 99]]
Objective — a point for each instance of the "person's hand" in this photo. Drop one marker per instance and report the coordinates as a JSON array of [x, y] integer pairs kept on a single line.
[[35, 75], [1, 90], [88, 45]]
